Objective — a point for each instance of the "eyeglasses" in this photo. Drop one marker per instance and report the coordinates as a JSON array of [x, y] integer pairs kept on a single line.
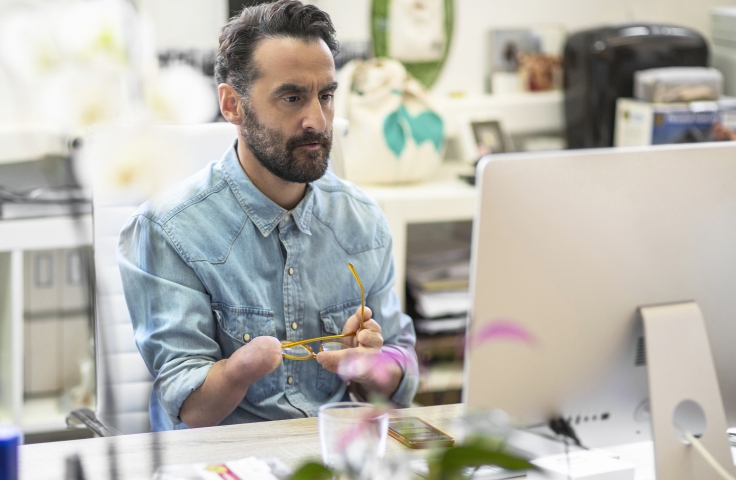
[[299, 350]]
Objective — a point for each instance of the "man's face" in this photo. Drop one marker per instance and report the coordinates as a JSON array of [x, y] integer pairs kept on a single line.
[[287, 118]]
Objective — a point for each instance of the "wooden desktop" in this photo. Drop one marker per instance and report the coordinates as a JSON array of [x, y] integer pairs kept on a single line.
[[292, 441]]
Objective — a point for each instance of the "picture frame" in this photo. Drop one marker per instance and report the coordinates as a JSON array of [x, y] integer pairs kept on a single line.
[[489, 137], [482, 136]]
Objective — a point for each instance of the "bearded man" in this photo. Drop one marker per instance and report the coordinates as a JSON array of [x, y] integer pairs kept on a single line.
[[253, 250]]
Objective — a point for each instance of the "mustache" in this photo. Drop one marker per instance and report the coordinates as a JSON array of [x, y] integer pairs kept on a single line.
[[324, 139]]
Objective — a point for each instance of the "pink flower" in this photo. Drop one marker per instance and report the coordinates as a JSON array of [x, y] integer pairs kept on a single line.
[[501, 329], [376, 367]]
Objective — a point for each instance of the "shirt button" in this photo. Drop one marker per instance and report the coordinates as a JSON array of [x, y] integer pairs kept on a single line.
[[290, 380], [294, 325], [291, 271], [246, 337], [287, 218]]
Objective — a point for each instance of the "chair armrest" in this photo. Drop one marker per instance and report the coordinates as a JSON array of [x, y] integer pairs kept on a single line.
[[88, 418]]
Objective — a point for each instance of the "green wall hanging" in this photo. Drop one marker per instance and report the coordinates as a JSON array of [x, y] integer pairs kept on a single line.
[[426, 27]]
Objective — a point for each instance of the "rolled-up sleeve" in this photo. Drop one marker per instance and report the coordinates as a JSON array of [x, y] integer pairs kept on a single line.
[[171, 312], [397, 328]]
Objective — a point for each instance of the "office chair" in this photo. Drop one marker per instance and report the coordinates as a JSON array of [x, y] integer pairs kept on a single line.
[[164, 155]]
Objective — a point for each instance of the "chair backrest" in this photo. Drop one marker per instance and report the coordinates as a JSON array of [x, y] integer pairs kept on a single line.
[[153, 157]]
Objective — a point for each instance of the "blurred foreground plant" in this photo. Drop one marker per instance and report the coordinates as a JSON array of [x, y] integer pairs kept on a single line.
[[456, 462], [460, 461], [68, 65]]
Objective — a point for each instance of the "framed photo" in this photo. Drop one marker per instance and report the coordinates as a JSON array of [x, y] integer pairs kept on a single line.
[[483, 136], [488, 137]]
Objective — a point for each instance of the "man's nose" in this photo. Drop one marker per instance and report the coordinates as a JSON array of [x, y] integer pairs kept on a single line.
[[314, 118]]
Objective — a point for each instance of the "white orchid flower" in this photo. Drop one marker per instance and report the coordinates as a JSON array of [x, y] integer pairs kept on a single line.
[[182, 95]]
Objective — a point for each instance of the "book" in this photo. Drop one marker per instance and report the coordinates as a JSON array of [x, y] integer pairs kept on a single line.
[[433, 326], [441, 304]]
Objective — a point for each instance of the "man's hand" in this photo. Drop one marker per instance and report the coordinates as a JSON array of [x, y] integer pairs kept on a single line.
[[364, 363], [228, 380]]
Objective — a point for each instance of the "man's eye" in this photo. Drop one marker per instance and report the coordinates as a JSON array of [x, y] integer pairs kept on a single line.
[[327, 96], [291, 99]]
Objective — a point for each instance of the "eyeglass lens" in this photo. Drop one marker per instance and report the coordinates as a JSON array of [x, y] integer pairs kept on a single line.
[[297, 351], [302, 351], [333, 346]]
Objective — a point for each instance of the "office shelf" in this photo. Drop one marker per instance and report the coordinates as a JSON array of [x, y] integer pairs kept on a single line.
[[519, 113], [43, 415], [443, 198], [17, 237], [442, 377]]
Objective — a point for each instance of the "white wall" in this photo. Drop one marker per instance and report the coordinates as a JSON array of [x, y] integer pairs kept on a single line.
[[465, 68], [196, 24], [184, 24]]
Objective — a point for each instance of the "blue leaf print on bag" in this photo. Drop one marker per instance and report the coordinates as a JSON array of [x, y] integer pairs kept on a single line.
[[425, 127], [394, 133]]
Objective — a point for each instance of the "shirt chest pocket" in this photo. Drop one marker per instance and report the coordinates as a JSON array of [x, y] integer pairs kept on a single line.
[[237, 326], [333, 320]]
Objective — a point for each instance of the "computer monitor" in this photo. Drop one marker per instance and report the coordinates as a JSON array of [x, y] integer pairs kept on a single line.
[[567, 246]]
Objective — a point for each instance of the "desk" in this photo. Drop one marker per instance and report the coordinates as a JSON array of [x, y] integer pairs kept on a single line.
[[293, 441]]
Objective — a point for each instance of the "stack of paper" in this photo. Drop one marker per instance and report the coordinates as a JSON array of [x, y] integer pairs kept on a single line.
[[437, 274]]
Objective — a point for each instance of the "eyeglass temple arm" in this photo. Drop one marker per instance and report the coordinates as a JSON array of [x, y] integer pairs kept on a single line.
[[310, 340], [362, 294]]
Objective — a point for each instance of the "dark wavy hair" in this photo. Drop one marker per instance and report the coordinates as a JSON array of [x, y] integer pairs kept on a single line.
[[284, 18]]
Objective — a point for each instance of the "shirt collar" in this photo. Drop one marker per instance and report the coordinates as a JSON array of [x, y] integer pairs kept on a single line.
[[263, 212]]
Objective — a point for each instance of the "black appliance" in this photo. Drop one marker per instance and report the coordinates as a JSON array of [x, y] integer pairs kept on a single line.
[[599, 67]]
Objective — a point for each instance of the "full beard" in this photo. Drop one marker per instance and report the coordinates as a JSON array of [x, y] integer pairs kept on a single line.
[[279, 154]]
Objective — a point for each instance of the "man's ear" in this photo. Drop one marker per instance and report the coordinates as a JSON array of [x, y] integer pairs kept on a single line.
[[230, 105]]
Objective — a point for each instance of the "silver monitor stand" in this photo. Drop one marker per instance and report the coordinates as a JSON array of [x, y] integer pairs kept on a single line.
[[684, 392]]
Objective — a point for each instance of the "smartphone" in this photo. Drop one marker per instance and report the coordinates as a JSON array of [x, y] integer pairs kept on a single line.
[[416, 433]]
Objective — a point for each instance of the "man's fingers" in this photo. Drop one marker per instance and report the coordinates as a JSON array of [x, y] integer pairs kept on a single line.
[[367, 315], [353, 323], [372, 325], [330, 360], [370, 338]]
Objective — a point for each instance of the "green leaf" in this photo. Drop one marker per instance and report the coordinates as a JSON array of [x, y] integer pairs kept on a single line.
[[313, 471], [451, 463], [474, 457]]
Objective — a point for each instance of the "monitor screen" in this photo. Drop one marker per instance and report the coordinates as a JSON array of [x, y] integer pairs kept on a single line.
[[567, 247]]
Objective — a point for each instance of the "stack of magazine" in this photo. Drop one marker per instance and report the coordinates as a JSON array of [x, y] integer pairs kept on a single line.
[[437, 279], [41, 187]]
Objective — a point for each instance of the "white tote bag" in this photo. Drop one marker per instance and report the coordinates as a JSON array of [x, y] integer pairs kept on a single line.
[[394, 135]]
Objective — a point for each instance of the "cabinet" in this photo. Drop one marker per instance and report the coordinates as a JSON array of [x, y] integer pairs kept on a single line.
[[17, 239], [443, 198]]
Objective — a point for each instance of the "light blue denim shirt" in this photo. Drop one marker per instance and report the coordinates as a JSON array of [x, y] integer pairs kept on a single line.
[[215, 263]]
